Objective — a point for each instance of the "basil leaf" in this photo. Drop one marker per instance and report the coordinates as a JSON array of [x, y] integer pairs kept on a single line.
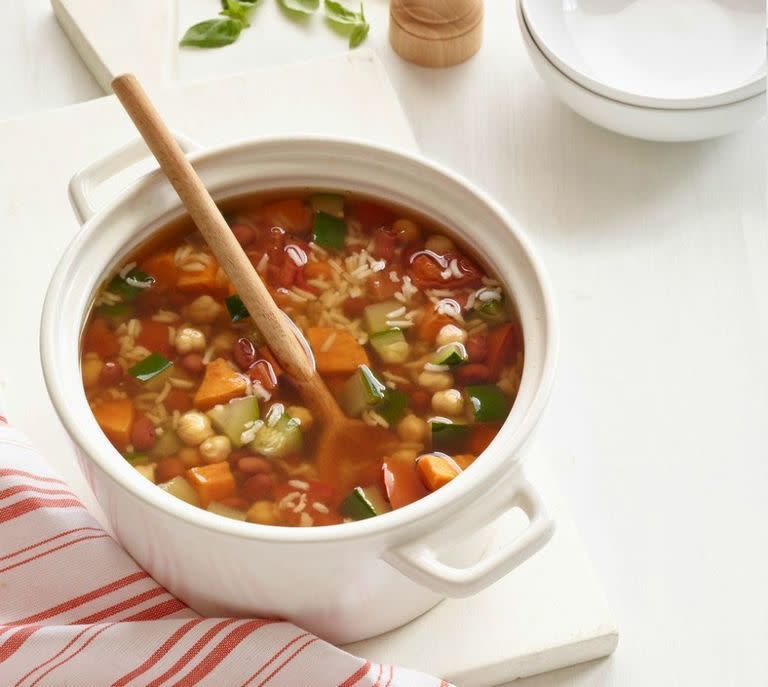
[[339, 14], [358, 35], [213, 33], [239, 10], [303, 6]]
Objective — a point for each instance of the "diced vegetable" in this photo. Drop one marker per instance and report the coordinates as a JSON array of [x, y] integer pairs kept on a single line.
[[147, 471], [491, 310], [451, 354], [226, 511], [203, 281], [99, 338], [233, 418], [117, 313], [391, 346], [290, 214], [181, 489], [362, 390], [488, 402], [393, 406], [402, 482], [150, 367], [364, 503], [154, 336], [236, 308], [329, 231], [137, 458], [162, 268], [448, 436], [115, 418], [220, 384], [337, 355], [212, 482], [166, 444], [131, 286], [504, 342], [378, 315], [436, 470], [432, 324], [317, 269], [281, 439], [464, 460], [329, 203]]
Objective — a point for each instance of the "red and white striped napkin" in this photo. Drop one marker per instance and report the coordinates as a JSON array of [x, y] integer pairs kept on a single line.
[[76, 610]]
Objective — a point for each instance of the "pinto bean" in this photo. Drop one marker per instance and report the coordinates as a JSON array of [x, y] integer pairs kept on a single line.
[[111, 374], [244, 353], [193, 363], [258, 487], [254, 465], [168, 468], [143, 434]]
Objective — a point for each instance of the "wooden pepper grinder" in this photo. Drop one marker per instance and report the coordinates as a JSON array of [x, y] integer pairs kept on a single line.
[[436, 33]]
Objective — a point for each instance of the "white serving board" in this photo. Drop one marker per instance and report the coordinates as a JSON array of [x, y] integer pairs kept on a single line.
[[549, 613]]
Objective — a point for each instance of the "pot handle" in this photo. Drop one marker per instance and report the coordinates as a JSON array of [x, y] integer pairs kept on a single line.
[[87, 180], [418, 561]]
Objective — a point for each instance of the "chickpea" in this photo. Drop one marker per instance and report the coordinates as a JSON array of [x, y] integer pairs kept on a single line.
[[203, 310], [450, 333], [439, 244], [435, 381], [407, 230], [303, 416], [223, 342], [412, 428], [448, 402], [262, 512], [189, 340], [215, 449], [194, 428], [91, 370]]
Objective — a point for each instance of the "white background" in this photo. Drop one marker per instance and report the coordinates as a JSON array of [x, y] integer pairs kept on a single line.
[[659, 257]]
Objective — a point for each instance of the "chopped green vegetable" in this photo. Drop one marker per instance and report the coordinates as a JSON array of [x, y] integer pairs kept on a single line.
[[236, 308], [235, 417], [281, 439], [451, 354], [329, 232], [150, 367], [119, 312], [377, 315], [213, 33], [181, 489], [448, 436], [329, 203], [137, 458], [488, 402], [362, 390], [166, 444], [364, 503], [391, 345], [226, 511], [348, 22], [130, 286], [491, 310], [302, 6], [393, 405]]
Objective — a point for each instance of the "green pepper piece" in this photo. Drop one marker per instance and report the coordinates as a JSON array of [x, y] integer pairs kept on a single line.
[[131, 286], [357, 505], [448, 437], [329, 231], [236, 308], [150, 367], [393, 405], [488, 402]]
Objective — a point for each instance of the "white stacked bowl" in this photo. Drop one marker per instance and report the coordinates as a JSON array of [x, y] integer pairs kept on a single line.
[[653, 69]]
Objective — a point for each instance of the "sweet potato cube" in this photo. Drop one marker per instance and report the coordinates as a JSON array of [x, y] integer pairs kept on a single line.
[[202, 281], [436, 471], [212, 482], [221, 383], [115, 419], [336, 351]]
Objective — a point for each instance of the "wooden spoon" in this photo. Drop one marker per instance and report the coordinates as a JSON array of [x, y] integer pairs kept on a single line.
[[347, 450]]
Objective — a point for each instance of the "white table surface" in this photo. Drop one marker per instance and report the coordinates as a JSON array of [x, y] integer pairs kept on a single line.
[[659, 257]]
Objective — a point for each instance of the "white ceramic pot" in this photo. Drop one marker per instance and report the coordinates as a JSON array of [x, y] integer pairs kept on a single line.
[[650, 123], [345, 582]]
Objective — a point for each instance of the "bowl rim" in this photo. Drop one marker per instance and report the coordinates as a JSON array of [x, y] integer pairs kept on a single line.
[[444, 500]]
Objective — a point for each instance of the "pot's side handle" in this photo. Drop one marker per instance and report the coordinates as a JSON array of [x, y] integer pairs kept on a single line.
[[87, 180], [418, 561]]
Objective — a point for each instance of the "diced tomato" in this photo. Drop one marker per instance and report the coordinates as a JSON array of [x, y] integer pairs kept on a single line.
[[301, 282], [428, 270], [477, 347], [154, 337], [371, 215], [261, 371], [384, 243], [353, 307], [100, 339], [402, 483], [431, 325], [178, 400], [381, 287], [504, 343], [473, 373]]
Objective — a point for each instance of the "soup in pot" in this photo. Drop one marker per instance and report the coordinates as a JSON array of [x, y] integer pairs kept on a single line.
[[407, 328]]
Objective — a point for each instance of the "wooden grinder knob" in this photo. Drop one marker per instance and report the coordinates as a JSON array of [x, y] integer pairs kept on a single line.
[[436, 33]]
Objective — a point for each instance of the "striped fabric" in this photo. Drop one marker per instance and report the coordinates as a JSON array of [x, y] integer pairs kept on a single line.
[[76, 610]]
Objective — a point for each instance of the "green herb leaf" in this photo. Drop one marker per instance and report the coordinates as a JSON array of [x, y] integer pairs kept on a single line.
[[348, 21], [149, 367], [303, 6], [213, 33], [239, 10]]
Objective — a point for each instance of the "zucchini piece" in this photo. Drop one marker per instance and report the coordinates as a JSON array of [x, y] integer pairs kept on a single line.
[[447, 436], [364, 503], [362, 390], [147, 471], [393, 406], [153, 365], [491, 310], [281, 439], [181, 489], [391, 346], [329, 203], [167, 444], [137, 458], [329, 231], [225, 511], [377, 315], [131, 286], [231, 418], [451, 354], [488, 402], [236, 308]]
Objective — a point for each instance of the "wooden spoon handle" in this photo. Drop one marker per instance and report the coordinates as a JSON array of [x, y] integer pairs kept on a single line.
[[268, 317]]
